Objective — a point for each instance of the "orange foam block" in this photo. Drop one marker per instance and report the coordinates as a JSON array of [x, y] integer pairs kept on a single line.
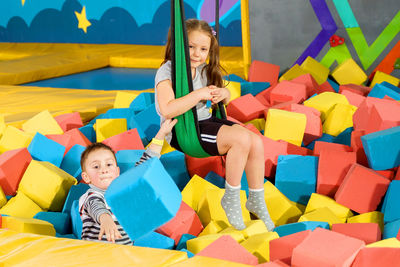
[[202, 166], [245, 108], [376, 257], [13, 164], [362, 189], [288, 91], [321, 145], [69, 121], [326, 248], [368, 232], [332, 168], [128, 140], [282, 248], [310, 83], [185, 221], [264, 72], [227, 248], [353, 98]]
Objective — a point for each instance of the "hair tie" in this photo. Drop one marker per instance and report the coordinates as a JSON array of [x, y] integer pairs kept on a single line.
[[213, 31]]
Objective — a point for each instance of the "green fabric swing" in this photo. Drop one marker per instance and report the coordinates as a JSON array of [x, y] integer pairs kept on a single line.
[[187, 129]]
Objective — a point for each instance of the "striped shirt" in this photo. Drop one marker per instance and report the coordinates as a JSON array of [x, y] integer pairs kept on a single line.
[[93, 203]]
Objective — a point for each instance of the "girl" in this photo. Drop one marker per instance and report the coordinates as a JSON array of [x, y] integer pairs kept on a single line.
[[243, 148]]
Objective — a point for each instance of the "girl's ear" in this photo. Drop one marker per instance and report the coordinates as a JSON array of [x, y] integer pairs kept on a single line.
[[85, 177]]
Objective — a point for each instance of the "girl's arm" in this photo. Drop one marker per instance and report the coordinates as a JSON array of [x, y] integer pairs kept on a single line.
[[220, 94], [171, 107]]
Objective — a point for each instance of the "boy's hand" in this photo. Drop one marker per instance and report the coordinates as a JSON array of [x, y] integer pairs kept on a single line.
[[166, 128], [109, 228], [219, 94]]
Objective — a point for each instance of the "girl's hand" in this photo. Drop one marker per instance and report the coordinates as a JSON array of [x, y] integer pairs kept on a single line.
[[219, 94], [108, 228], [166, 128], [204, 93]]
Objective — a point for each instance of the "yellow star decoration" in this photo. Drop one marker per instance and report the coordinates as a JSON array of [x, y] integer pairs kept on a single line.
[[83, 22]]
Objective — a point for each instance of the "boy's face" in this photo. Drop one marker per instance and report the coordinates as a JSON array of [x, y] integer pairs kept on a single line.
[[100, 168]]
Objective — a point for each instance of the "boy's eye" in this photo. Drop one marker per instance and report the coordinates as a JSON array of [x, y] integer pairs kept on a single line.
[[109, 164], [96, 167]]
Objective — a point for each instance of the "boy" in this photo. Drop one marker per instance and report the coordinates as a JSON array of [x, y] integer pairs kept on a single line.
[[99, 169]]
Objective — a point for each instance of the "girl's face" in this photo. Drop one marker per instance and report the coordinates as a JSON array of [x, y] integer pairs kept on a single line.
[[199, 47]]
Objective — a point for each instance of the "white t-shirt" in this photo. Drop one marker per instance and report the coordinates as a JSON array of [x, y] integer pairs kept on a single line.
[[199, 81]]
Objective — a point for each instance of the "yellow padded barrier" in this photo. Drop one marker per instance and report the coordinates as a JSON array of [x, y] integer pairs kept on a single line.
[[21, 249], [46, 185], [43, 123], [197, 244], [106, 128], [325, 102], [3, 199], [14, 138], [368, 217], [384, 77], [258, 245], [28, 225], [339, 119], [20, 206], [2, 124], [294, 72], [318, 71], [323, 214], [349, 72], [386, 243], [207, 261], [318, 201]]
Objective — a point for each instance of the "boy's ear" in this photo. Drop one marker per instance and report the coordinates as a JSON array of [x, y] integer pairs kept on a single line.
[[85, 177]]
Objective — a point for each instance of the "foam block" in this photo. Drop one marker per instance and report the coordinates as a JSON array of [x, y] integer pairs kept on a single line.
[[69, 121], [215, 179], [319, 201], [310, 83], [58, 182], [185, 221], [43, 123], [258, 245], [71, 162], [325, 102], [316, 69], [332, 168], [124, 141], [155, 240], [361, 116], [383, 115], [195, 245], [253, 227], [325, 87], [13, 164], [321, 145], [391, 203], [78, 137], [227, 248], [361, 189], [253, 88], [148, 121], [127, 159], [380, 76], [391, 229], [20, 206], [142, 101], [175, 164], [339, 119], [382, 148], [42, 148], [106, 128], [368, 217], [2, 125], [3, 200], [287, 91], [202, 166], [313, 251], [272, 149], [285, 125], [372, 257], [322, 214], [282, 248], [292, 228], [355, 89], [349, 72], [245, 108], [75, 192], [296, 183], [182, 242], [61, 221], [29, 225], [293, 72], [353, 98], [263, 72], [385, 243], [124, 99], [235, 89], [214, 227], [368, 232], [76, 220], [89, 132], [14, 138], [141, 200]]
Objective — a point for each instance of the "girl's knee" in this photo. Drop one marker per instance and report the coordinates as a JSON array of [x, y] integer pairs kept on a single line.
[[257, 143]]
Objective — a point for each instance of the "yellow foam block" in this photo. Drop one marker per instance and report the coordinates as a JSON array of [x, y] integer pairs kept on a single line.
[[46, 184], [210, 208], [194, 191], [195, 245], [301, 207], [20, 206], [213, 227], [253, 227], [325, 102], [318, 71], [106, 128], [207, 261], [29, 225], [124, 99], [285, 125], [22, 249], [323, 214], [43, 123], [294, 72], [234, 88], [339, 119], [2, 124], [258, 245], [319, 201], [166, 148], [384, 77], [14, 138], [3, 199], [281, 209], [385, 243], [349, 72], [368, 217], [258, 123]]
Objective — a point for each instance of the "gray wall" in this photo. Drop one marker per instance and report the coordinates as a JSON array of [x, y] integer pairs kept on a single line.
[[282, 29]]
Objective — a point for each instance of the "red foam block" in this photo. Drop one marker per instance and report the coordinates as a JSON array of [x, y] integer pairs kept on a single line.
[[202, 166], [383, 115], [264, 72], [353, 98], [321, 145], [357, 147], [288, 91], [69, 121], [282, 248], [310, 83], [357, 89], [245, 108], [368, 232], [377, 257], [325, 87], [127, 140]]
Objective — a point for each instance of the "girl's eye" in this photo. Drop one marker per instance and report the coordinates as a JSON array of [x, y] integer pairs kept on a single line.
[[204, 49], [190, 46]]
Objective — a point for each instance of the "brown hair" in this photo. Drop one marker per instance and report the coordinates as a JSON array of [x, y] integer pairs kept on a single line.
[[213, 68], [92, 148]]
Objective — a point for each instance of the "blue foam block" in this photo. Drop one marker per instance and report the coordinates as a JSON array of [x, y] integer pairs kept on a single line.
[[334, 85], [382, 148], [234, 78], [244, 184], [148, 121], [155, 240], [391, 86], [89, 132], [175, 164], [380, 91], [291, 228], [189, 254], [76, 220], [182, 242], [391, 202], [144, 198], [391, 229], [344, 137], [74, 193], [296, 177], [127, 159], [70, 236], [61, 221], [71, 162], [42, 148], [325, 137], [120, 113], [215, 179], [253, 88], [142, 101]]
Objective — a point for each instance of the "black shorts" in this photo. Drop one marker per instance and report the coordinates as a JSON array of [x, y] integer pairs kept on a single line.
[[208, 133]]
